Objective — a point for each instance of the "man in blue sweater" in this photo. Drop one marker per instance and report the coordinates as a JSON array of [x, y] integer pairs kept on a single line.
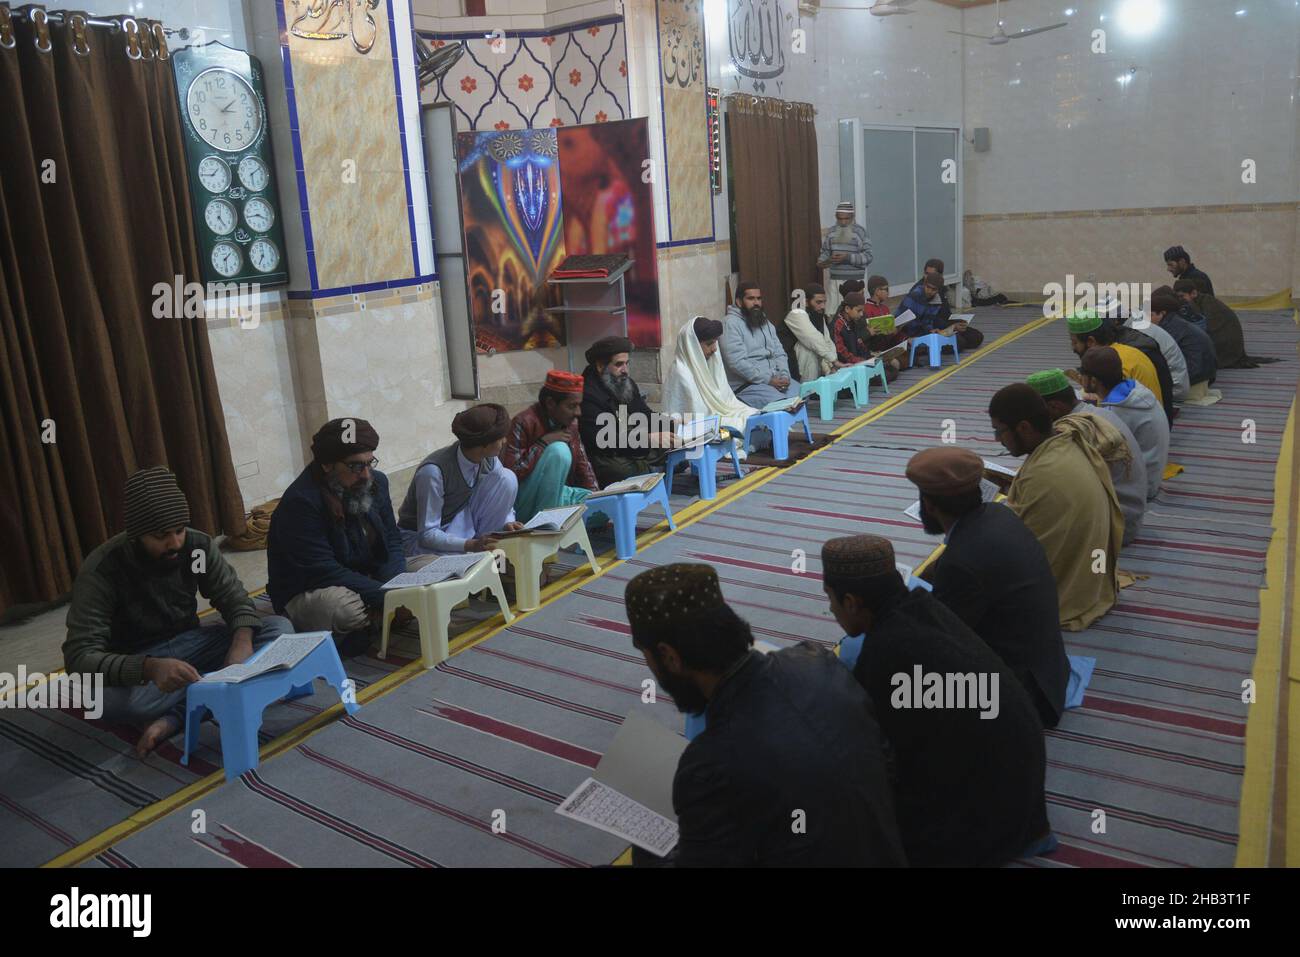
[[928, 301], [334, 540]]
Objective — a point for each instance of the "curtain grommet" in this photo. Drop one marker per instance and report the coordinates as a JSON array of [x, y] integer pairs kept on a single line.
[[132, 28], [41, 22], [7, 39], [160, 40], [80, 39]]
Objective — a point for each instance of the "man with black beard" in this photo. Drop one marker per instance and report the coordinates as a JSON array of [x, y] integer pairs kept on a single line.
[[134, 615], [993, 574], [621, 434], [334, 540], [789, 770], [757, 368]]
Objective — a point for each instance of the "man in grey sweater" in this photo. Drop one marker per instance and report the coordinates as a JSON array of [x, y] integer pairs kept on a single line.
[[757, 368], [846, 252], [134, 615]]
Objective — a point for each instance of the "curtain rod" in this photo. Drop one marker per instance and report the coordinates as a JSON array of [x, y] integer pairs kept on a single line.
[[60, 16]]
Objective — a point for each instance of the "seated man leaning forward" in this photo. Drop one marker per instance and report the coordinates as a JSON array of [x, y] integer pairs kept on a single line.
[[757, 367], [993, 574], [788, 731], [622, 436], [462, 494], [544, 449], [967, 746], [334, 541], [1064, 496], [134, 618]]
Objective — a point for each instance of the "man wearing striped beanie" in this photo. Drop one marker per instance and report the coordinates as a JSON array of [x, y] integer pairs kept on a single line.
[[544, 449], [846, 252], [134, 612]]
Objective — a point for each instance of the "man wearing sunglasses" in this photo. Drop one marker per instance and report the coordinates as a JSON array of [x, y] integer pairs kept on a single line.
[[334, 540]]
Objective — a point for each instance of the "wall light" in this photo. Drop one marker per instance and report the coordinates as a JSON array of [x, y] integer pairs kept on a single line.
[[1140, 18]]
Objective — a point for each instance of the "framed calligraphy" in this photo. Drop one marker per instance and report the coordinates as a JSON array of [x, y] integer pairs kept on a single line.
[[326, 19], [755, 35]]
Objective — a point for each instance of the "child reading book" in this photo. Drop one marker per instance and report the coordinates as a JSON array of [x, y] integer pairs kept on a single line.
[[883, 332]]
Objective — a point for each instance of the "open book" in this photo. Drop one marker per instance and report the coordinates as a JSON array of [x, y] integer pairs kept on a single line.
[[700, 431], [782, 405], [890, 352], [549, 521], [637, 483], [988, 492], [904, 317], [280, 655], [441, 569], [630, 794], [966, 317]]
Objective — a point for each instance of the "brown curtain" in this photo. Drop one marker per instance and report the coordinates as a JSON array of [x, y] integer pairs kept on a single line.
[[773, 152], [94, 210]]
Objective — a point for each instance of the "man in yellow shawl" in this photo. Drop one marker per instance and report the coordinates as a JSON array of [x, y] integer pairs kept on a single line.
[[1063, 493]]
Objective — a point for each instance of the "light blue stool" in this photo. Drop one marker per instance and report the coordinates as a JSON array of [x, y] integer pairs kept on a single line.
[[703, 465], [623, 509], [237, 706], [935, 344], [779, 424], [863, 373], [828, 387]]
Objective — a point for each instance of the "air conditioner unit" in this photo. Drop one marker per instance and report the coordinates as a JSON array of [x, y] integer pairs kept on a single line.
[[810, 7]]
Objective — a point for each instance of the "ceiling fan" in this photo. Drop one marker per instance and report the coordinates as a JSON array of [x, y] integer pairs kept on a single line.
[[1000, 36], [889, 8]]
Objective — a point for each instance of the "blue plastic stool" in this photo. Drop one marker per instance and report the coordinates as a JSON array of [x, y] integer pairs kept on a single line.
[[237, 707], [828, 387], [623, 509], [779, 424], [863, 373], [935, 345], [702, 465]]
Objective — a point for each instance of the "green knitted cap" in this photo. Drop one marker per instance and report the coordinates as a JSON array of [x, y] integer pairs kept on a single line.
[[1083, 322], [1049, 382]]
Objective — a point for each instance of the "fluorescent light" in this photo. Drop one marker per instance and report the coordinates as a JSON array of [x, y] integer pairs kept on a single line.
[[1140, 18]]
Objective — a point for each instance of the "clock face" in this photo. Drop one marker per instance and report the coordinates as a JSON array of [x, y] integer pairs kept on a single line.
[[253, 174], [220, 216], [226, 259], [214, 174], [223, 109], [263, 255], [258, 214]]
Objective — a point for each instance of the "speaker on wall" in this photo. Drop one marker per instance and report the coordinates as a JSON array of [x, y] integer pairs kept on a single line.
[[981, 139]]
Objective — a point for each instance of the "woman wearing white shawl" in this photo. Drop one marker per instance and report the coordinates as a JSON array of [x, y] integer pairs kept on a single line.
[[697, 382]]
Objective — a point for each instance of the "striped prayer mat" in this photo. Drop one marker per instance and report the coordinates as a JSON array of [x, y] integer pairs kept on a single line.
[[464, 765]]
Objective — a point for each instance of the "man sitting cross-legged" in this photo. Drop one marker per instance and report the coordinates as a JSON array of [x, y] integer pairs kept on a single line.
[[1063, 494], [1107, 387], [134, 615], [758, 369], [462, 494], [544, 450], [789, 771], [993, 574], [622, 436], [966, 741]]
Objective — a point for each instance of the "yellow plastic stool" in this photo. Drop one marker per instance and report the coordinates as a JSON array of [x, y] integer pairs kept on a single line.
[[528, 553], [432, 604]]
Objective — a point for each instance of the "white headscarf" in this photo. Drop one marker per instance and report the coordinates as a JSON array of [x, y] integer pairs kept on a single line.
[[699, 386]]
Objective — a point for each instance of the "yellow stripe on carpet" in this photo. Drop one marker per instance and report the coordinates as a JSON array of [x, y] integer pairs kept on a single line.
[[1269, 818], [1279, 300]]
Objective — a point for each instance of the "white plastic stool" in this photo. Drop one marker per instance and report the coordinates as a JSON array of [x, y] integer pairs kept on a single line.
[[432, 604], [528, 553]]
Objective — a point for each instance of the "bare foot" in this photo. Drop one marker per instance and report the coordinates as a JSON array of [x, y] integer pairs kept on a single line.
[[154, 735]]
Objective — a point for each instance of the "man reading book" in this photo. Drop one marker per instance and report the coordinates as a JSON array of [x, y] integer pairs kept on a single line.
[[617, 426], [134, 615], [544, 450]]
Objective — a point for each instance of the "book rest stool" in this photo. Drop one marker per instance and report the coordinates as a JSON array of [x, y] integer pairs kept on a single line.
[[528, 554], [237, 706], [703, 465], [779, 424], [432, 604]]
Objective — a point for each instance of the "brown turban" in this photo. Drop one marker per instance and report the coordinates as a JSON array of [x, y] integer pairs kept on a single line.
[[945, 470], [481, 425], [706, 329], [339, 438]]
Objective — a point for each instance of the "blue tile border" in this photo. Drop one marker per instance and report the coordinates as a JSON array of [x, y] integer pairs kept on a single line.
[[361, 287], [287, 63], [401, 136]]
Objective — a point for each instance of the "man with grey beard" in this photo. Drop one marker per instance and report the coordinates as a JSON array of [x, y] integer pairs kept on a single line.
[[758, 370], [621, 435], [334, 540]]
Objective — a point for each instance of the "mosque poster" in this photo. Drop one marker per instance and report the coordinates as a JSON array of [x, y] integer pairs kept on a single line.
[[686, 129], [609, 208], [514, 238]]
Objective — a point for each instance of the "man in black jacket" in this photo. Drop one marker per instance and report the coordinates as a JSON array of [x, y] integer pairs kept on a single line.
[[1179, 263], [789, 771], [994, 574], [966, 742], [621, 435]]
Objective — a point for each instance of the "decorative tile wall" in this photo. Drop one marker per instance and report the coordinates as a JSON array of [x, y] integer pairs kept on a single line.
[[531, 79], [681, 74]]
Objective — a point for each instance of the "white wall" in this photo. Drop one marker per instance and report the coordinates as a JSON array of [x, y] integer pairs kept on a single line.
[[1204, 91]]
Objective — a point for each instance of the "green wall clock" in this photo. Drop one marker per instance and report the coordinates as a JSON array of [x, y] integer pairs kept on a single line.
[[232, 174]]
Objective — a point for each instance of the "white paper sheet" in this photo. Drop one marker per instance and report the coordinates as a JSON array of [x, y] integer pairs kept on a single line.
[[903, 318], [602, 807]]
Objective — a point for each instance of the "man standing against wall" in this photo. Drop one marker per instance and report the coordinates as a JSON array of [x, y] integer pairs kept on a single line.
[[846, 251]]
